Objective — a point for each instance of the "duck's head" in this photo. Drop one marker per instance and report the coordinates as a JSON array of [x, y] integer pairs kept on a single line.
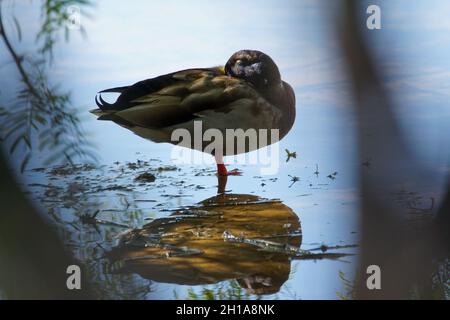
[[255, 67]]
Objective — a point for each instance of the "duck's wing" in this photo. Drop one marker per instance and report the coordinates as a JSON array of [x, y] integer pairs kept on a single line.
[[176, 98], [145, 87]]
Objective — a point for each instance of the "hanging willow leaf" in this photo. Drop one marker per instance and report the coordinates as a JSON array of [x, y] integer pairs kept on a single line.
[[18, 29], [56, 20], [19, 124], [16, 143], [25, 161], [27, 141]]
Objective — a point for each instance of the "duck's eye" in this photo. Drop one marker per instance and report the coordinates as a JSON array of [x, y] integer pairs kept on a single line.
[[239, 67]]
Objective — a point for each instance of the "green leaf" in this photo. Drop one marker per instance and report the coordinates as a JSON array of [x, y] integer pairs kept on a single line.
[[15, 144], [25, 162], [18, 29]]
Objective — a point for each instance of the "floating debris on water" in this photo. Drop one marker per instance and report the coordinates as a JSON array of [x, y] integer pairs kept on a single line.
[[92, 220], [145, 177], [316, 173], [332, 176], [294, 179], [290, 155], [285, 248], [65, 170], [167, 168], [114, 187]]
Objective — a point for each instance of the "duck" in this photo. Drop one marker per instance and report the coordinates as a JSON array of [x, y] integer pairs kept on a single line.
[[247, 93]]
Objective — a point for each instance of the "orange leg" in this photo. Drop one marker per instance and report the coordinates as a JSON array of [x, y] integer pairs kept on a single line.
[[222, 170]]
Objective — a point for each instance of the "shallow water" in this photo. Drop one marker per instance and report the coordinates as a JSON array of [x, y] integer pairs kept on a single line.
[[168, 211], [324, 205]]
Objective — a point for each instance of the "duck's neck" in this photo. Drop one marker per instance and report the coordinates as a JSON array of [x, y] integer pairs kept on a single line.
[[282, 96]]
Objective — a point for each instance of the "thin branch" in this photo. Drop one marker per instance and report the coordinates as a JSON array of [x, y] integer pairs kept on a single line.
[[17, 59]]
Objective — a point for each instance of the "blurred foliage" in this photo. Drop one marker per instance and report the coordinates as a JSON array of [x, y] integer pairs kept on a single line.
[[438, 285], [89, 242], [230, 290], [42, 115], [55, 18], [349, 290]]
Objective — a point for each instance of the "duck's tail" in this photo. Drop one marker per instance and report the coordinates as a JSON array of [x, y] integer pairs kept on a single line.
[[102, 104]]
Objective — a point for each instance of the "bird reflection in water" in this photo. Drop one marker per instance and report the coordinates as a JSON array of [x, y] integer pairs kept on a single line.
[[226, 237]]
